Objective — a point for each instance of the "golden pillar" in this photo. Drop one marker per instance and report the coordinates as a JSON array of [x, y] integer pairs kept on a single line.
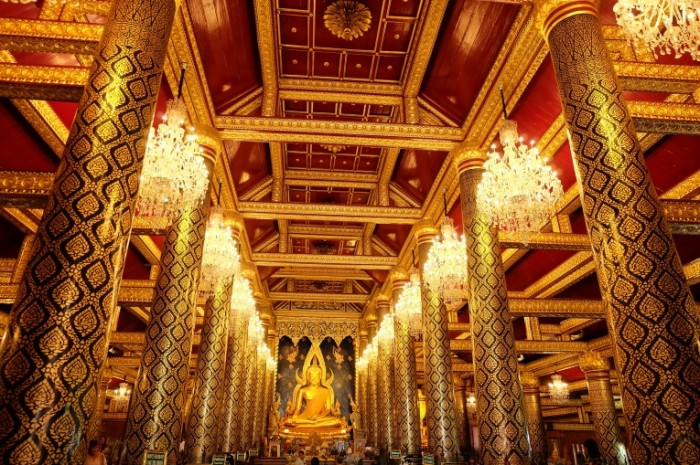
[[603, 413], [271, 385], [230, 439], [440, 402], [55, 343], [405, 377], [502, 425], [361, 380], [158, 398], [261, 377], [460, 406], [250, 384], [651, 312], [201, 431], [373, 391], [533, 414], [372, 399], [385, 378]]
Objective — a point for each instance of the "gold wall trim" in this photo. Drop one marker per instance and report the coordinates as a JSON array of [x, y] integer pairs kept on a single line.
[[541, 240], [318, 175], [322, 85], [340, 96]]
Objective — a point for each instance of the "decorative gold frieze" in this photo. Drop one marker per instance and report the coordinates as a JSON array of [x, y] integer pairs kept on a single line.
[[546, 241], [42, 82], [309, 260], [264, 21], [318, 297], [328, 212], [28, 35], [317, 329]]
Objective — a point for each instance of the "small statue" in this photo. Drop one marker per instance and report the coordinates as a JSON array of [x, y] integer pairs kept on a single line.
[[274, 417], [336, 409]]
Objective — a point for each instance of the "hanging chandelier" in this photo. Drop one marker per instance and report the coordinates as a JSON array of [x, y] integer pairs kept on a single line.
[[518, 191], [242, 301], [174, 178], [122, 393], [386, 330], [558, 390], [471, 403], [220, 257], [669, 27], [409, 306], [445, 271]]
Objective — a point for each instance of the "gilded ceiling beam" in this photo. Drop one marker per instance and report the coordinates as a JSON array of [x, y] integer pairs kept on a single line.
[[340, 96], [328, 212], [327, 274], [258, 129], [31, 35], [45, 122], [348, 87], [324, 231], [318, 297], [146, 247], [666, 117], [562, 308], [545, 240], [656, 77], [267, 49], [61, 83], [360, 262]]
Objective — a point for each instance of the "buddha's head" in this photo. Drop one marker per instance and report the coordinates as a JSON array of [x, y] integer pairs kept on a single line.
[[314, 375]]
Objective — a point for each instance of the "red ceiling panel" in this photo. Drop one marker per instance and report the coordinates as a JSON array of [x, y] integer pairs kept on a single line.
[[249, 163], [533, 266], [672, 160], [348, 159], [540, 104], [258, 229], [393, 235], [136, 266], [469, 42], [24, 11], [23, 149], [688, 247], [587, 288], [416, 171], [129, 323], [225, 33]]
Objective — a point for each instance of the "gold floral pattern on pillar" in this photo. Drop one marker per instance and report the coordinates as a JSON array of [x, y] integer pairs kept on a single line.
[[49, 376], [533, 414], [440, 402], [158, 398], [502, 425], [200, 442], [652, 315]]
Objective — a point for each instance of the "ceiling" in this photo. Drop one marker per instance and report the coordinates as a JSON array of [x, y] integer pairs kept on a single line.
[[334, 149]]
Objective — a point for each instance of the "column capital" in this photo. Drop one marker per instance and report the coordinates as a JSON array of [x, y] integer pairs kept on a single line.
[[210, 141], [466, 158], [235, 220], [549, 13], [383, 307], [398, 276], [591, 362], [529, 381], [425, 231], [248, 271]]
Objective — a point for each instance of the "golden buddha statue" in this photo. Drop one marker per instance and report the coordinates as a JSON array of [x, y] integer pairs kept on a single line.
[[313, 403]]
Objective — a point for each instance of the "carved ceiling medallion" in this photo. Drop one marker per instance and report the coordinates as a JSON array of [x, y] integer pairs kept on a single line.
[[347, 19], [334, 148]]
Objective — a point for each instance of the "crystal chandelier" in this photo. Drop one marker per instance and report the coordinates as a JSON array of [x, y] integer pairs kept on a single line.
[[669, 27], [386, 330], [445, 271], [255, 330], [123, 392], [242, 301], [518, 191], [220, 257], [174, 178], [558, 390], [409, 306]]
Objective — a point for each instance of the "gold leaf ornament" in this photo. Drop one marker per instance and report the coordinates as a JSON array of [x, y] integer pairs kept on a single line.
[[347, 19]]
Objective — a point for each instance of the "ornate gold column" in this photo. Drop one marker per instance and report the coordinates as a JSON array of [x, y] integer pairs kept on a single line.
[[250, 385], [55, 342], [651, 312], [603, 413], [271, 384], [405, 377], [95, 424], [158, 398], [201, 431], [385, 381], [261, 376], [460, 405], [373, 396], [361, 379], [502, 424], [533, 414], [372, 389], [440, 402], [235, 372]]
